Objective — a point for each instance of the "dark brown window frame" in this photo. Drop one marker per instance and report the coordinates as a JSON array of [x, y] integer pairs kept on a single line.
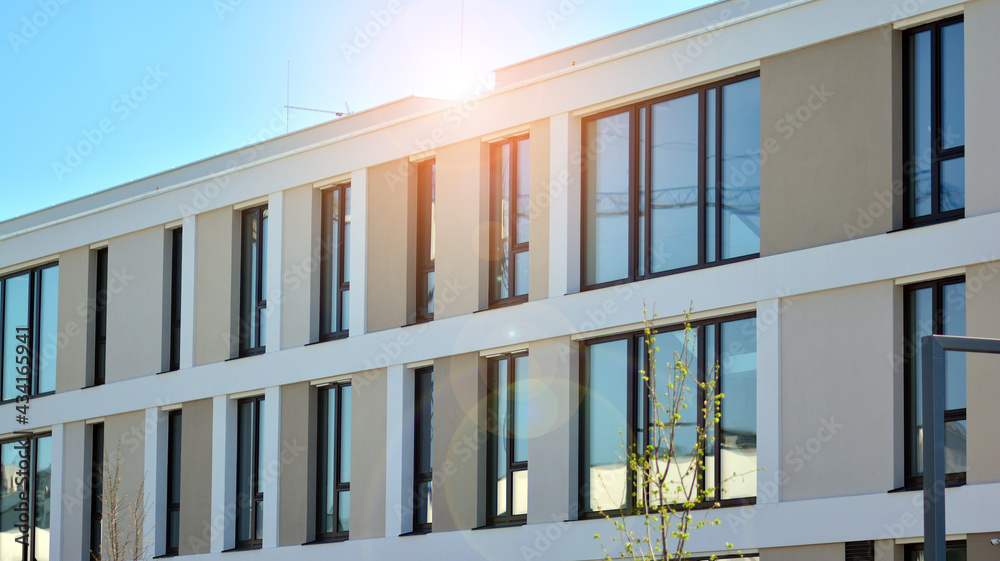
[[259, 304], [504, 253], [336, 389], [636, 341], [426, 187], [173, 439], [633, 112], [493, 432], [909, 359], [419, 476], [101, 318], [256, 494], [937, 154], [176, 255], [96, 488], [34, 312], [337, 286]]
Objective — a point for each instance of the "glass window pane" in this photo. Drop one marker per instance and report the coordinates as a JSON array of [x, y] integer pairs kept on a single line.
[[430, 293], [499, 451], [710, 179], [345, 310], [424, 418], [332, 261], [522, 408], [641, 180], [174, 468], [953, 323], [741, 168], [48, 330], [263, 259], [9, 549], [43, 496], [955, 438], [952, 184], [921, 305], [519, 505], [738, 375], [15, 316], [345, 434], [173, 529], [344, 511], [674, 237], [953, 85], [675, 347], [244, 472], [347, 234], [606, 219], [259, 520], [424, 513], [523, 191], [521, 276], [919, 89], [605, 423]]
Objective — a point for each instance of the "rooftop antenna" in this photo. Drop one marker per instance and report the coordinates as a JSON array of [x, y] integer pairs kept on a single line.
[[288, 95]]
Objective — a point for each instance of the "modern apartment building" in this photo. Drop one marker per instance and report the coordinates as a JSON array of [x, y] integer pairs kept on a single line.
[[416, 331]]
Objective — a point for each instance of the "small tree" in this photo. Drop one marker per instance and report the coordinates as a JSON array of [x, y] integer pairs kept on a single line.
[[666, 489], [124, 534]]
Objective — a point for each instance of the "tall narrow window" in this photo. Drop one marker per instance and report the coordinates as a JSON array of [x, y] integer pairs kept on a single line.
[[29, 305], [954, 551], [425, 240], [26, 489], [333, 474], [934, 77], [96, 488], [253, 281], [423, 450], [672, 184], [618, 404], [507, 419], [935, 308], [173, 505], [335, 300], [176, 247], [249, 472], [509, 206], [101, 317]]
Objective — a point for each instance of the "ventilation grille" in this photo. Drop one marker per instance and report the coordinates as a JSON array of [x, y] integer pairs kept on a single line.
[[860, 551]]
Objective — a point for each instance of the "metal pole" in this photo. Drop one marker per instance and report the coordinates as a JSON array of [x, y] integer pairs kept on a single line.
[[933, 438]]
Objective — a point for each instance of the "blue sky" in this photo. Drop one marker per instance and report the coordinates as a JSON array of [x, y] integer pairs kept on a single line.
[[96, 94]]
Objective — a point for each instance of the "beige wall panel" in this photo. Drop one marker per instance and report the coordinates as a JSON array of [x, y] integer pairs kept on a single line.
[[982, 120], [75, 319], [137, 269], [462, 234], [824, 552], [982, 293], [459, 442], [216, 285], [979, 548], [553, 444], [297, 496], [836, 379], [390, 259], [124, 450], [196, 477], [300, 259], [827, 141], [541, 205], [368, 403]]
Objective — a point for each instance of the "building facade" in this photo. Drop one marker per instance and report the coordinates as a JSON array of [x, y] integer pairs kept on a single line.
[[285, 355]]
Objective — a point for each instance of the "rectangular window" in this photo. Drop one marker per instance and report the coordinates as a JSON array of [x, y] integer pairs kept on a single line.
[[618, 414], [425, 240], [333, 473], [336, 267], [954, 551], [423, 450], [96, 488], [935, 308], [509, 204], [101, 317], [176, 247], [173, 505], [27, 468], [934, 126], [29, 314], [672, 184], [253, 281], [249, 472], [507, 418]]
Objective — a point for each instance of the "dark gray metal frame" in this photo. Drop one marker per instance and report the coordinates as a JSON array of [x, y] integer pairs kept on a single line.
[[932, 351]]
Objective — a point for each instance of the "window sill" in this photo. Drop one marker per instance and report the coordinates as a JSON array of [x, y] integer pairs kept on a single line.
[[503, 524], [617, 513], [259, 352], [243, 548], [955, 482], [326, 541], [415, 533], [35, 396], [932, 222], [630, 280]]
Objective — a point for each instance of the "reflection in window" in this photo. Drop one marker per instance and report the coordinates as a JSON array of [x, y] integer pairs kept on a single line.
[[96, 488], [333, 473], [423, 450], [672, 184], [935, 122], [26, 467], [29, 302], [618, 415], [935, 308], [173, 505], [249, 472], [253, 281], [426, 233], [335, 305], [509, 210], [507, 426], [176, 247], [101, 318]]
